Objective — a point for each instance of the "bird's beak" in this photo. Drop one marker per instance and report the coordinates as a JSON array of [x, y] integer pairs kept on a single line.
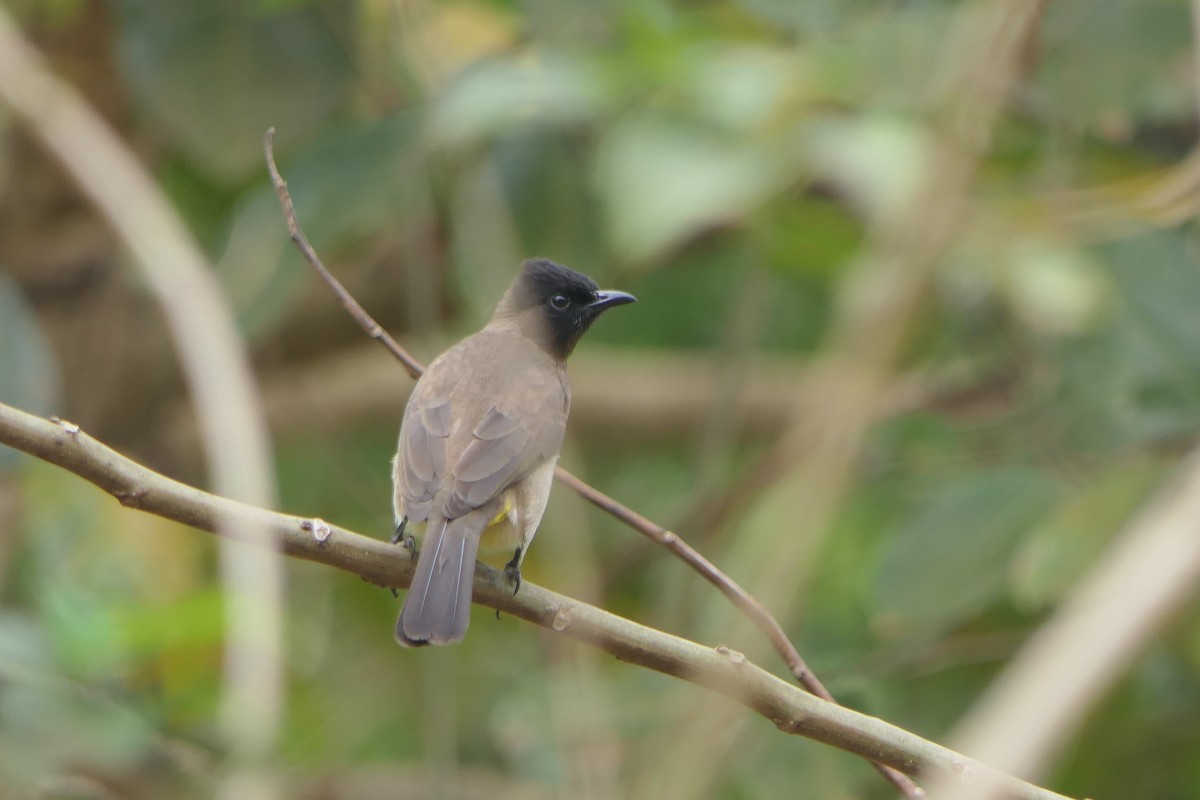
[[609, 299]]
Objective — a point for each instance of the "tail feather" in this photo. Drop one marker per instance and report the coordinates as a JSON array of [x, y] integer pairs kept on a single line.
[[437, 609]]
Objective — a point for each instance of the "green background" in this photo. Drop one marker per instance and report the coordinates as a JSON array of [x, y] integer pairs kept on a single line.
[[722, 161]]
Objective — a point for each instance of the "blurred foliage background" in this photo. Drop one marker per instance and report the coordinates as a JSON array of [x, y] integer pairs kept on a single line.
[[722, 161]]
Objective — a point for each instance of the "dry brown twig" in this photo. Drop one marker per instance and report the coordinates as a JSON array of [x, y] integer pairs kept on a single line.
[[719, 669], [738, 596]]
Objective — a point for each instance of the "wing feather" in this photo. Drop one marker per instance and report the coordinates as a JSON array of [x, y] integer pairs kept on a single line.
[[475, 426], [425, 436], [506, 447]]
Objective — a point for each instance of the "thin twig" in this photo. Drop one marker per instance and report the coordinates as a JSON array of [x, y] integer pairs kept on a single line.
[[741, 599], [719, 669], [360, 315]]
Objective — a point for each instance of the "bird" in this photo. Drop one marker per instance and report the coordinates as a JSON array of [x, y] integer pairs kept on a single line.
[[479, 441]]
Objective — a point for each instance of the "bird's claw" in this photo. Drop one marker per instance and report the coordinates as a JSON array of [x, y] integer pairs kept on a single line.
[[513, 570], [406, 541], [403, 539]]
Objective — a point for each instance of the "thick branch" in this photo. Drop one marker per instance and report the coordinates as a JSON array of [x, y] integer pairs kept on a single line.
[[719, 669]]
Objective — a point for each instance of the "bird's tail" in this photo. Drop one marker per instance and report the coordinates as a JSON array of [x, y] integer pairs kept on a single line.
[[437, 609]]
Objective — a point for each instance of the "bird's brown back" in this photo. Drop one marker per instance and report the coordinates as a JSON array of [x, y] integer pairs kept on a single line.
[[488, 412]]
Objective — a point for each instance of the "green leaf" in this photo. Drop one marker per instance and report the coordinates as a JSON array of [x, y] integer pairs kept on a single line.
[[49, 723], [55, 725], [217, 74], [1055, 289], [662, 182], [1066, 542], [552, 88], [1138, 378], [1109, 65], [949, 560], [877, 161]]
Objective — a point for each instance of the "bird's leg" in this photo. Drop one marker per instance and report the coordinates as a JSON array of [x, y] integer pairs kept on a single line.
[[513, 570], [404, 540], [399, 534]]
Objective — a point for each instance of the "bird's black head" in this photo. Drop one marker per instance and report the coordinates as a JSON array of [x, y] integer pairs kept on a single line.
[[564, 302]]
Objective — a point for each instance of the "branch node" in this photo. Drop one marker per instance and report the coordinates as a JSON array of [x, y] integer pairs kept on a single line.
[[562, 619], [319, 529], [788, 725], [132, 498], [669, 537], [967, 774], [70, 427], [734, 656]]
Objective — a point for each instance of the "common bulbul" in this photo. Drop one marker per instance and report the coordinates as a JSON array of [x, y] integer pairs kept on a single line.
[[480, 438]]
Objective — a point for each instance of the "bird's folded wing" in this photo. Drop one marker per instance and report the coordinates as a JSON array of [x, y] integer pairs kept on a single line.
[[506, 446], [426, 429]]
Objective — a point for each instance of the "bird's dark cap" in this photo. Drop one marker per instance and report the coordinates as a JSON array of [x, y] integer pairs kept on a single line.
[[546, 277], [567, 303]]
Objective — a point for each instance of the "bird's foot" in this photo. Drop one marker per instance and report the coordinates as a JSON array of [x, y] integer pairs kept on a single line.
[[406, 541], [513, 570], [403, 539]]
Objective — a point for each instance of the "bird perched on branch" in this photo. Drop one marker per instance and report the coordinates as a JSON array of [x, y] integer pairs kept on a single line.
[[480, 439]]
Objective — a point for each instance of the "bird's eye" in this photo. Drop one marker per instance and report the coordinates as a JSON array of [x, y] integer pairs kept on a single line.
[[559, 302]]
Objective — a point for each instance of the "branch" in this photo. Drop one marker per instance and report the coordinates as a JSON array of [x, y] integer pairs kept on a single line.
[[719, 669], [353, 308], [755, 611]]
